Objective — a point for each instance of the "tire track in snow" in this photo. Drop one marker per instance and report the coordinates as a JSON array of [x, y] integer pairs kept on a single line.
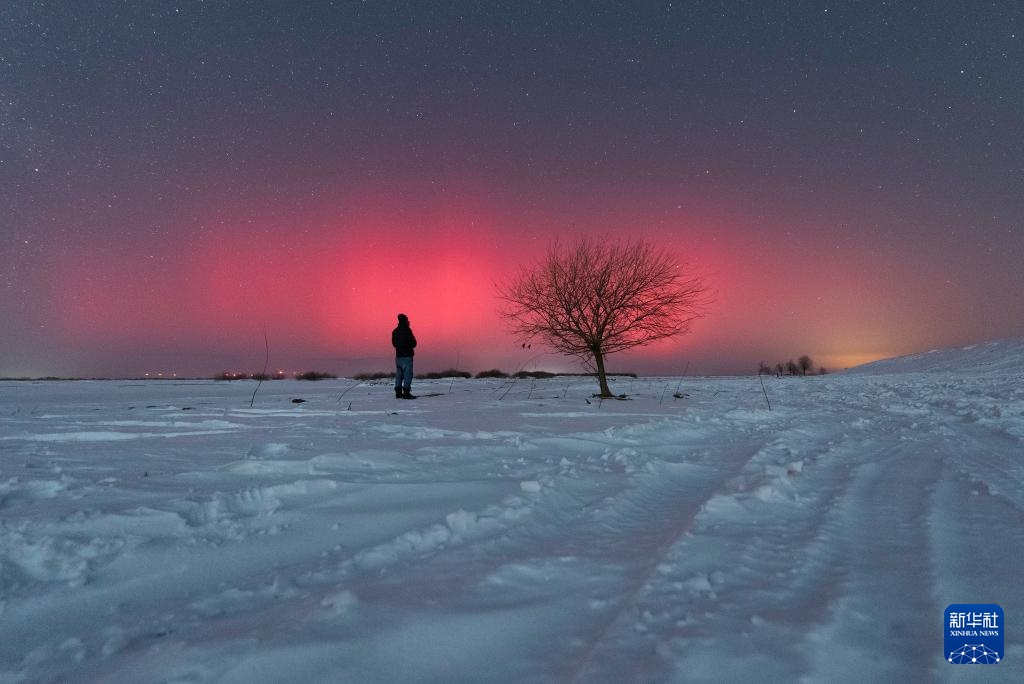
[[626, 527], [977, 529], [704, 583], [660, 513], [990, 459], [883, 627]]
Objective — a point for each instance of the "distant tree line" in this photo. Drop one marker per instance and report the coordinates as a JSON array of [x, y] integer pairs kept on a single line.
[[492, 373], [802, 366], [279, 375]]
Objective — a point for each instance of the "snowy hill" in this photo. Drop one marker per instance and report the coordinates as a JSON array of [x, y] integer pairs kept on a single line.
[[997, 356]]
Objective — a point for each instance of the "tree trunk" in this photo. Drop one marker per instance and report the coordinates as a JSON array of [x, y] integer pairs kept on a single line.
[[602, 378]]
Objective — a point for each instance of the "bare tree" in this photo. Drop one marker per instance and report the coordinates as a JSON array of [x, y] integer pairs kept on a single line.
[[805, 364], [595, 298], [792, 368]]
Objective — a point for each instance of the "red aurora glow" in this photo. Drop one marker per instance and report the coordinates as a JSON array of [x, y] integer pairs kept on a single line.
[[327, 286]]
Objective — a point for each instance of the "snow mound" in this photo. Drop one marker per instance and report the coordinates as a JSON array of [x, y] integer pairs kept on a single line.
[[997, 356]]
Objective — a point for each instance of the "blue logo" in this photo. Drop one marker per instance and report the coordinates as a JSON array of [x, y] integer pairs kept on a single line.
[[974, 634]]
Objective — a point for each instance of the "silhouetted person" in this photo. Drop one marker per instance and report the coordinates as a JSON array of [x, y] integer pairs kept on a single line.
[[404, 342]]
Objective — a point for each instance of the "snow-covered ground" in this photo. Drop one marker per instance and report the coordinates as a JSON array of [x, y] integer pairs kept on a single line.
[[166, 531]]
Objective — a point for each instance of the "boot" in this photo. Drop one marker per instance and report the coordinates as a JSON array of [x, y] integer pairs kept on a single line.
[[398, 393], [406, 394]]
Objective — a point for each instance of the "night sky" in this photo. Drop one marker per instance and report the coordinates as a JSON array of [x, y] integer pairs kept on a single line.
[[177, 179]]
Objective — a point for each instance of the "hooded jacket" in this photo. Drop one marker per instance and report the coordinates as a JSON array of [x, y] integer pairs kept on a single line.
[[402, 338]]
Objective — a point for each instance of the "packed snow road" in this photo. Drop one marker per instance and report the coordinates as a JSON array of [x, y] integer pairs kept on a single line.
[[166, 531]]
